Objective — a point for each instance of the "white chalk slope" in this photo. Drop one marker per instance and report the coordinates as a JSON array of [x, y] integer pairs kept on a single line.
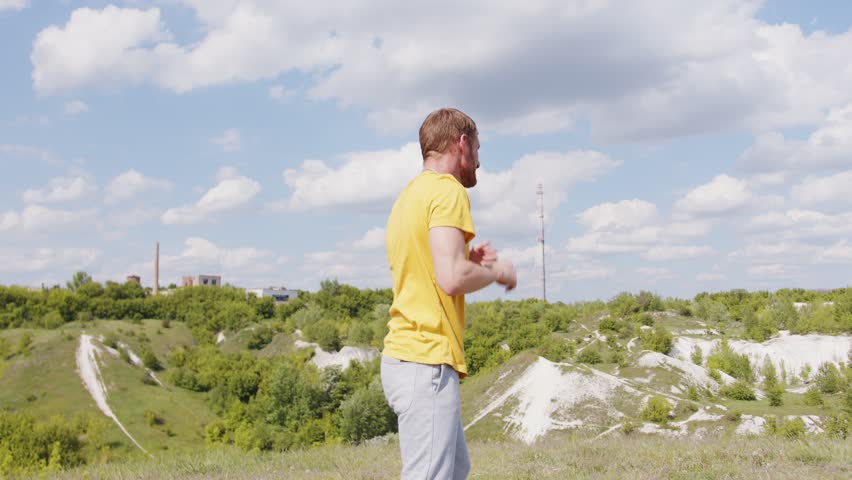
[[90, 374]]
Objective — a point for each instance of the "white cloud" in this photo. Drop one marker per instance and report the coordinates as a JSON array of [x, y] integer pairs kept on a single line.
[[626, 214], [368, 270], [229, 140], [365, 179], [635, 226], [76, 106], [23, 151], [507, 200], [47, 259], [583, 271], [676, 252], [720, 196], [98, 46], [800, 223], [839, 252], [36, 218], [692, 66], [14, 4], [373, 239], [279, 93], [655, 273], [228, 194], [709, 277], [60, 189], [131, 183], [774, 270], [133, 217], [32, 120], [828, 146], [832, 193]]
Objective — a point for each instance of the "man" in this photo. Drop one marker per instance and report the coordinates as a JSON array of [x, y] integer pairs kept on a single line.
[[428, 233]]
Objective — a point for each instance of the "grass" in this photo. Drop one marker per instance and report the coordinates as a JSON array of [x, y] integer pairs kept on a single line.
[[560, 457], [46, 383]]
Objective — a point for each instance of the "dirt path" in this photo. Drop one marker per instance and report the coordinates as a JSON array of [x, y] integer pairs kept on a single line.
[[90, 374]]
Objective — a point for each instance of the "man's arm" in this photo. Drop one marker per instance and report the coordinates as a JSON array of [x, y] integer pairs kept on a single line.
[[455, 274]]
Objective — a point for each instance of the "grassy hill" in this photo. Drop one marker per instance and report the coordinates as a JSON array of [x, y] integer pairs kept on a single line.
[[560, 457], [556, 391]]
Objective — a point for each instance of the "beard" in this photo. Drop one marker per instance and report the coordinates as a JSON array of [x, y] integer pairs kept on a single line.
[[468, 173]]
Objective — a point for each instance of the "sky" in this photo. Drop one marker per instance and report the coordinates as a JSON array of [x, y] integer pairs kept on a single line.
[[683, 146]]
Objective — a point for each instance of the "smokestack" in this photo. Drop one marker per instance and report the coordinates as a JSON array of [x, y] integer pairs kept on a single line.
[[157, 270]]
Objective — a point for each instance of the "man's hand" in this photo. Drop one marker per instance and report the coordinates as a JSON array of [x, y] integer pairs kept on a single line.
[[506, 274], [483, 254]]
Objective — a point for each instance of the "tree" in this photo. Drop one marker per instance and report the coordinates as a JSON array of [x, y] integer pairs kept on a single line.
[[78, 280], [366, 415]]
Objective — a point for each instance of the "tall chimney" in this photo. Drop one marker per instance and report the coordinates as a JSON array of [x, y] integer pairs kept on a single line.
[[157, 270]]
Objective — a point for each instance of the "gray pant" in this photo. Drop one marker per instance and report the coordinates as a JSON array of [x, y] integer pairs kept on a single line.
[[427, 403]]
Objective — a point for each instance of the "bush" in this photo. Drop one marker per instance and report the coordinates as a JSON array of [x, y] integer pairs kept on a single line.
[[723, 358], [738, 391], [152, 419], [659, 339], [837, 426], [166, 323], [366, 415], [324, 332], [590, 356], [827, 379], [111, 340], [775, 395], [260, 337], [813, 398], [657, 410], [696, 356], [150, 360], [792, 429]]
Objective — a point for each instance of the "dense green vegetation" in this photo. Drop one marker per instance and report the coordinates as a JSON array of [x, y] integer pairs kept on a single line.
[[270, 399]]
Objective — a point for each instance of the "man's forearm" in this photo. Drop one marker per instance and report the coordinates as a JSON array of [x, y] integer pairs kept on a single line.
[[471, 277]]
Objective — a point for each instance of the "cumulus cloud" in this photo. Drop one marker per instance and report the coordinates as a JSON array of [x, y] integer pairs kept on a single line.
[[60, 189], [800, 223], [36, 218], [655, 273], [505, 200], [47, 259], [14, 4], [720, 196], [635, 226], [131, 183], [373, 239], [76, 106], [829, 146], [365, 179], [832, 193], [692, 66], [230, 193]]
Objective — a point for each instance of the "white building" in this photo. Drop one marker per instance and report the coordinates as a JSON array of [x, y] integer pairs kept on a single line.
[[202, 280], [279, 294]]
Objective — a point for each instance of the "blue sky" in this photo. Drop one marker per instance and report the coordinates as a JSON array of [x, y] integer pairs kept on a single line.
[[684, 146]]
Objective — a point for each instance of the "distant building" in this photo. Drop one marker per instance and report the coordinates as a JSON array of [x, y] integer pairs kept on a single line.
[[279, 294], [202, 280], [133, 279]]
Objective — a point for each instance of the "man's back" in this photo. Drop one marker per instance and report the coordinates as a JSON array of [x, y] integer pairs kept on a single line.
[[426, 324]]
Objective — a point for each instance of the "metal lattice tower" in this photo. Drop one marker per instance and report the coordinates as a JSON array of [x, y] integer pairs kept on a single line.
[[541, 240]]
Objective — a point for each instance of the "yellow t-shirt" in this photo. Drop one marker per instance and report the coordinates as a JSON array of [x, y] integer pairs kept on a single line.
[[426, 324]]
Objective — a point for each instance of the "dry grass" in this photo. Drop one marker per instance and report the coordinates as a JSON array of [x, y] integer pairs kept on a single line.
[[559, 457]]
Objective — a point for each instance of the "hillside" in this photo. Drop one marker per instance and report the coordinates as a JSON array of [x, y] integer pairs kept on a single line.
[[261, 378]]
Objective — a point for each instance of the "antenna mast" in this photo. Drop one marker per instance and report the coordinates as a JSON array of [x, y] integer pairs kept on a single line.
[[541, 240]]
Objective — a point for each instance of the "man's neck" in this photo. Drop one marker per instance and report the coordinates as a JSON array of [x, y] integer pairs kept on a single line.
[[443, 164]]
